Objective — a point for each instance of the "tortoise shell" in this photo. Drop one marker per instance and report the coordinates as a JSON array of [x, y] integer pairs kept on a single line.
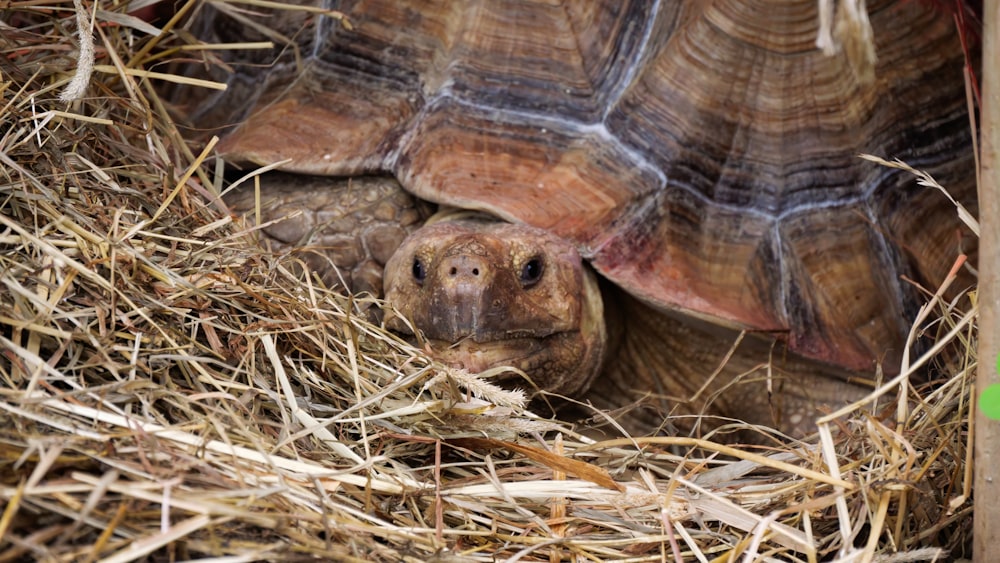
[[701, 155]]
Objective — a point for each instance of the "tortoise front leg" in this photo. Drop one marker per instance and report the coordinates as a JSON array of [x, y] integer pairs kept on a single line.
[[344, 230]]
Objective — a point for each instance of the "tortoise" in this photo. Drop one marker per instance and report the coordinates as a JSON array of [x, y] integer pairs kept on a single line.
[[699, 157]]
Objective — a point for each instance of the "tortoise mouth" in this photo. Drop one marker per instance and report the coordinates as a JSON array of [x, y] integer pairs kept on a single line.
[[478, 354], [477, 357], [539, 361]]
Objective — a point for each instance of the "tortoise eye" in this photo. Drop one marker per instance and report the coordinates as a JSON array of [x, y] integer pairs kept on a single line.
[[419, 272], [531, 272]]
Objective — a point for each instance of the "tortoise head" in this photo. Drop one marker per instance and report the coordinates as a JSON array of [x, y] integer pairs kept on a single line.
[[487, 294]]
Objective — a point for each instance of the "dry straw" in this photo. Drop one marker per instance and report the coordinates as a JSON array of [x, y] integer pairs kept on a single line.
[[169, 391]]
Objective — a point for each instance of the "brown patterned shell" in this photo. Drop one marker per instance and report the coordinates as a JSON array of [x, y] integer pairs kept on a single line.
[[703, 155]]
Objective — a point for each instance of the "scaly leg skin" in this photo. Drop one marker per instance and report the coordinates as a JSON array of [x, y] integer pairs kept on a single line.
[[345, 230]]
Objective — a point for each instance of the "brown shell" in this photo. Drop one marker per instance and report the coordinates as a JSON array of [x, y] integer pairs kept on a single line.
[[703, 155]]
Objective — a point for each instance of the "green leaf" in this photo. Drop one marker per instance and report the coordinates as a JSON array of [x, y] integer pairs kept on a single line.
[[989, 401]]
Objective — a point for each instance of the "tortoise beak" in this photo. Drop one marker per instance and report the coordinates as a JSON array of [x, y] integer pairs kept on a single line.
[[460, 303]]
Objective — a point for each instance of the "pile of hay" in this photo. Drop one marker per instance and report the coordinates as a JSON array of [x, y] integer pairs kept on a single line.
[[169, 391]]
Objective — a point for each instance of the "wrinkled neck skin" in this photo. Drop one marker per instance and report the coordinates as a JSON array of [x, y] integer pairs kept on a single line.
[[661, 364]]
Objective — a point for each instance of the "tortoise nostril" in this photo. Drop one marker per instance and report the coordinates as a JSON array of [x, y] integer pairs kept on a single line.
[[454, 271], [465, 268]]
